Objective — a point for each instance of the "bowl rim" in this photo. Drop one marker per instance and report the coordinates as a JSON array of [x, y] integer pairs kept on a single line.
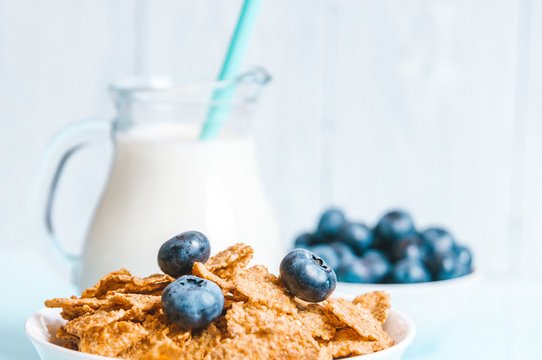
[[31, 334], [36, 317], [475, 275]]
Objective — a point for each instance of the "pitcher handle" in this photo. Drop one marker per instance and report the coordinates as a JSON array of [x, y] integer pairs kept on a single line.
[[62, 146]]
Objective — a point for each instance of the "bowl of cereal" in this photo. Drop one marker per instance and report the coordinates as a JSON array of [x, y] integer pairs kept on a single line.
[[164, 317], [42, 326], [424, 270]]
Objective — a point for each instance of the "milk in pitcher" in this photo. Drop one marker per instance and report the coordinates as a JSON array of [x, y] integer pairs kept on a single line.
[[165, 181]]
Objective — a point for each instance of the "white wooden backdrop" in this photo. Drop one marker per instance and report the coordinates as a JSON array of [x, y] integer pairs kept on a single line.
[[431, 105]]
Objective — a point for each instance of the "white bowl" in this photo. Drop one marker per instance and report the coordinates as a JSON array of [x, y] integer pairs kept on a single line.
[[42, 326], [433, 306]]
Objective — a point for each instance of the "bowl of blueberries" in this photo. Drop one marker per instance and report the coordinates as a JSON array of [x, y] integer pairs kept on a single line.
[[428, 273]]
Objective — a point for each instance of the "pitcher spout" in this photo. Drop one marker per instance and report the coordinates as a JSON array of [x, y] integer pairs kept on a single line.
[[253, 82]]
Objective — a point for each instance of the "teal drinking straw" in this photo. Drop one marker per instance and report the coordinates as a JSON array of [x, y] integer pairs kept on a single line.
[[218, 112]]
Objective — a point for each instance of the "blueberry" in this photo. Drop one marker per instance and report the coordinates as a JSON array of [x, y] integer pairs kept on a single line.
[[304, 241], [464, 261], [192, 303], [177, 255], [410, 270], [307, 276], [444, 265], [344, 252], [408, 246], [392, 226], [358, 236], [437, 240], [330, 223], [327, 253], [378, 265], [356, 272]]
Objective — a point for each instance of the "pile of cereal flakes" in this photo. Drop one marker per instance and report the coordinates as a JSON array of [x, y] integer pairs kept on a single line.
[[121, 316]]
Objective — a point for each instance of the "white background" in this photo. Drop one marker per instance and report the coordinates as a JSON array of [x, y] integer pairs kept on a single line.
[[434, 106]]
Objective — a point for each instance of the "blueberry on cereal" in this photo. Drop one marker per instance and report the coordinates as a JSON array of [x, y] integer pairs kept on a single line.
[[191, 302], [177, 255], [328, 254], [307, 276]]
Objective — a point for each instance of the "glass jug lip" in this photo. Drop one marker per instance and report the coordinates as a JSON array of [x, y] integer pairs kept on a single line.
[[143, 88]]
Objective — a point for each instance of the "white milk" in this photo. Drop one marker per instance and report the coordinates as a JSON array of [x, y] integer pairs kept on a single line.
[[164, 182]]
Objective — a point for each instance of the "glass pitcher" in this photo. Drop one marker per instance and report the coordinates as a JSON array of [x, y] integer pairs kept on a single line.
[[164, 180]]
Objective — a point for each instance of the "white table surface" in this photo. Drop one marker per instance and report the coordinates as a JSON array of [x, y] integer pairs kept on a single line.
[[504, 322]]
